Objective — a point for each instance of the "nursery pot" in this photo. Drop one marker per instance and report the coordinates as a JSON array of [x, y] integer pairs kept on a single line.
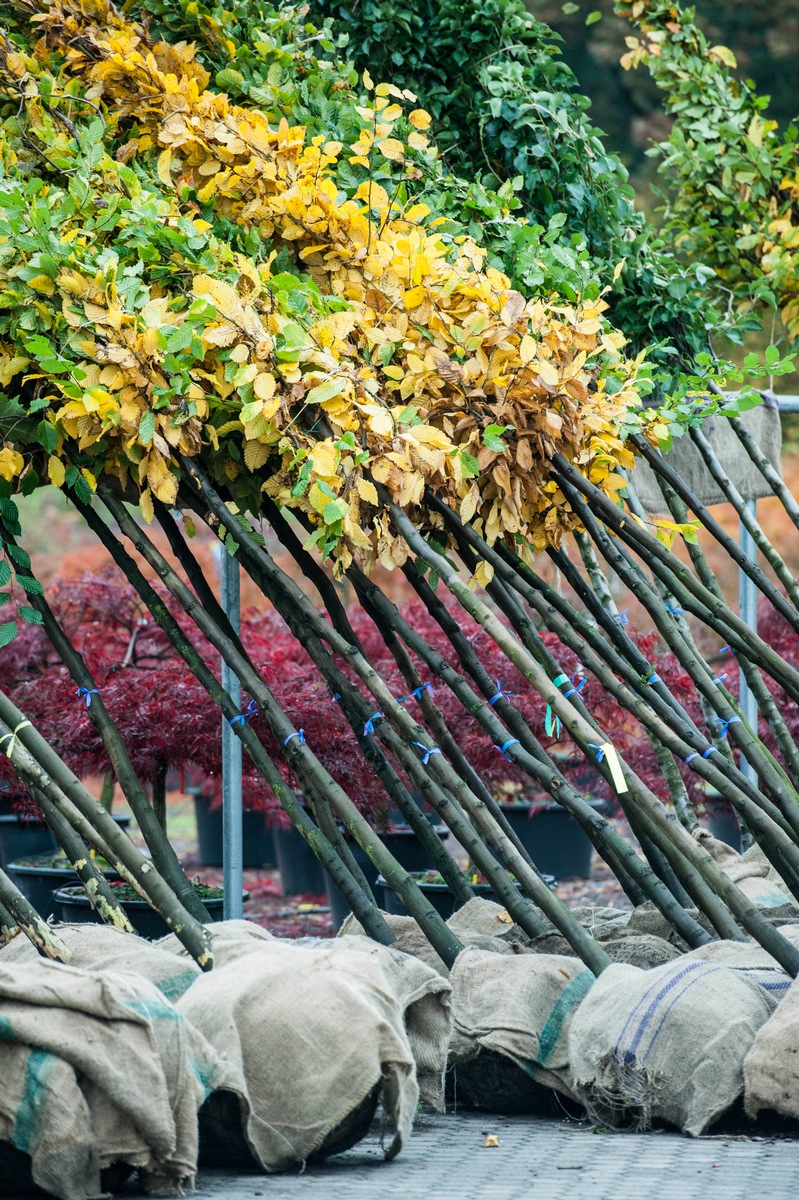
[[438, 894], [722, 821], [552, 837], [400, 841], [258, 842], [71, 904], [22, 838], [39, 880], [300, 870]]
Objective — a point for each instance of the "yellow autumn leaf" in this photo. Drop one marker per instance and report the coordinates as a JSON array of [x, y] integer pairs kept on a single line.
[[367, 491], [11, 463], [255, 455], [146, 506], [162, 167], [379, 421], [419, 118], [528, 349], [264, 385], [56, 471], [392, 149], [413, 297], [367, 81], [224, 298], [483, 574], [43, 284], [374, 194], [547, 373], [469, 504], [724, 55]]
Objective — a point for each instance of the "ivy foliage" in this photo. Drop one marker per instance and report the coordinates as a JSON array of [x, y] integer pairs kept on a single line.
[[734, 177], [508, 111]]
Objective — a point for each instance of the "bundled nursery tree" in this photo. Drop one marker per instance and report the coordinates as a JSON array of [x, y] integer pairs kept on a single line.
[[238, 282]]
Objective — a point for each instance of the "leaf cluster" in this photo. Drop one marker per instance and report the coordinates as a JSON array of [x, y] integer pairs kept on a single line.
[[183, 277], [733, 175]]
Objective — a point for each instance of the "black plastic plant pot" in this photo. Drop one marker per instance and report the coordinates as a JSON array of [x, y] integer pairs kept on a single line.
[[300, 870], [438, 894], [409, 852], [71, 905], [22, 838], [722, 821], [551, 836], [257, 835], [38, 880]]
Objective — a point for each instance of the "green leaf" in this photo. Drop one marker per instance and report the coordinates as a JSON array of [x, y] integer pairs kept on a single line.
[[336, 510], [229, 80], [146, 427], [326, 391], [18, 556], [8, 631], [492, 439], [30, 585], [593, 17], [231, 545], [568, 9], [181, 339], [5, 573], [410, 416], [47, 435], [470, 465], [31, 616]]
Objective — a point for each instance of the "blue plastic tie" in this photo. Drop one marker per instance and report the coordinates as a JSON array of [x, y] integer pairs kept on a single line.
[[654, 678], [707, 753], [86, 694], [427, 753], [622, 617], [692, 756], [724, 725], [499, 694], [504, 749], [298, 733], [720, 678], [572, 691], [335, 697], [369, 727], [242, 717], [673, 609], [423, 687], [600, 753], [726, 650]]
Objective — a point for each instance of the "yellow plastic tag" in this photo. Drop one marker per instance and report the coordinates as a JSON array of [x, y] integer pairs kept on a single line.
[[616, 773]]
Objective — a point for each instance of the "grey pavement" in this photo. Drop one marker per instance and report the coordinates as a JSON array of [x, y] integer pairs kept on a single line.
[[447, 1159]]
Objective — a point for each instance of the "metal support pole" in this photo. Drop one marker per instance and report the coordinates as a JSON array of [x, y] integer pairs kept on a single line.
[[747, 610], [232, 852]]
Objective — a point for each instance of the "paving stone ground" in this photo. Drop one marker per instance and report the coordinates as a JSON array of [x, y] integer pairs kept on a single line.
[[447, 1159]]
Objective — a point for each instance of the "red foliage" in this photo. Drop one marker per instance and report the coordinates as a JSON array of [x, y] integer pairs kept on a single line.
[[166, 717]]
